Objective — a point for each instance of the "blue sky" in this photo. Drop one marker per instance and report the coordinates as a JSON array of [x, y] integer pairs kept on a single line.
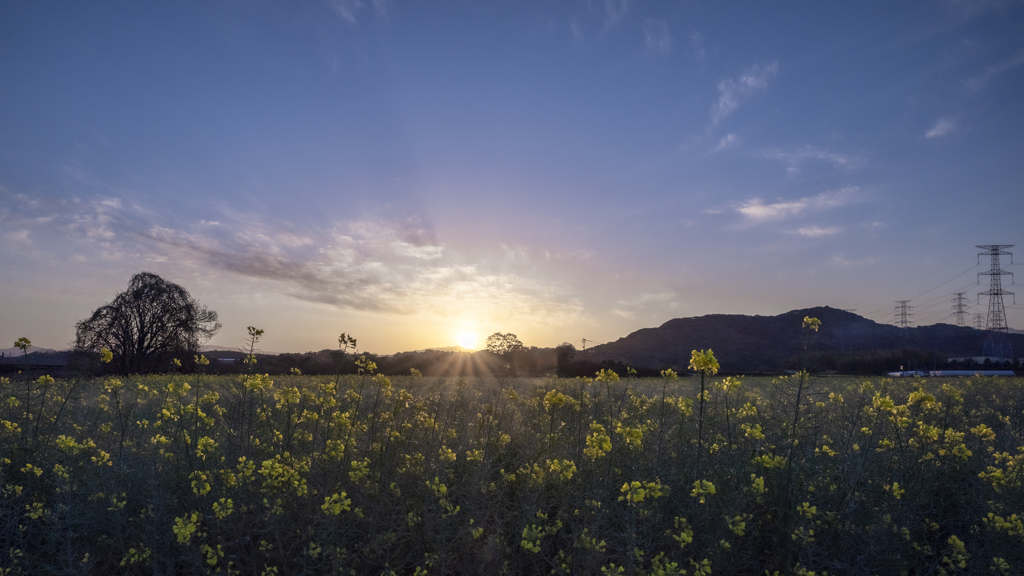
[[415, 173]]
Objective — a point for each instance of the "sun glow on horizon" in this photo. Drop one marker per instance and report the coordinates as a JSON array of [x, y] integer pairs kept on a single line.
[[468, 339]]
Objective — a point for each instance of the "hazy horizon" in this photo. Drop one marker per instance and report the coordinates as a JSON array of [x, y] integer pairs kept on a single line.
[[425, 175]]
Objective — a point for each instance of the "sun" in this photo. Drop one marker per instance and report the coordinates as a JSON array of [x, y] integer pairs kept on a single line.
[[468, 339]]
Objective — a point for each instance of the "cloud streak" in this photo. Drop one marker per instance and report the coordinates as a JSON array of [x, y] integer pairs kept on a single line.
[[796, 159], [817, 231], [347, 8], [756, 210], [697, 42], [614, 10], [657, 37], [390, 267], [645, 302], [943, 127], [981, 81], [727, 141], [734, 90]]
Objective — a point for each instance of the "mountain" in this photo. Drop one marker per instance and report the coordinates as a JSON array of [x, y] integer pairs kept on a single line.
[[36, 356], [16, 352], [447, 349], [239, 349], [768, 343]]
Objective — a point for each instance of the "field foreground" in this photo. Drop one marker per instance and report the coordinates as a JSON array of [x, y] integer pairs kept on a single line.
[[410, 475]]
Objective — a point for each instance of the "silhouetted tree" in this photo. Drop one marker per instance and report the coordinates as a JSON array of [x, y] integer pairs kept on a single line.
[[146, 325], [503, 344], [565, 353]]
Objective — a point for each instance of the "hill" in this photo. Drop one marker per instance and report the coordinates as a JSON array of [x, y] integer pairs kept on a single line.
[[36, 356], [769, 343], [446, 349], [16, 352]]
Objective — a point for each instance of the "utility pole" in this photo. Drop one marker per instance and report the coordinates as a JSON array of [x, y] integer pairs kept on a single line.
[[585, 344], [903, 315], [979, 322], [995, 323], [960, 307]]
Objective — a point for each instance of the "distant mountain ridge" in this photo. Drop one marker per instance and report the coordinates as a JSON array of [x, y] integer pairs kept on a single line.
[[447, 349], [8, 352], [768, 343]]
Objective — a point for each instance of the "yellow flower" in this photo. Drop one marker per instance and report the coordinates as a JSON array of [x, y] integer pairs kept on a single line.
[[554, 399], [704, 361], [223, 508], [185, 526], [702, 489], [106, 355], [336, 503]]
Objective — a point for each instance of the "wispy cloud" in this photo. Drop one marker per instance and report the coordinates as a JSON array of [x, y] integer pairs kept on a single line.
[[757, 210], [18, 237], [645, 302], [942, 127], [657, 37], [979, 82], [380, 266], [614, 11], [650, 298], [386, 266], [816, 231], [574, 28], [733, 90], [976, 6], [697, 42], [844, 262], [727, 141], [347, 8], [795, 159]]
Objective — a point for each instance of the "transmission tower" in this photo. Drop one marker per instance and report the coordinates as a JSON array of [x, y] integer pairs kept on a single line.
[[995, 323], [960, 307], [979, 322], [903, 315]]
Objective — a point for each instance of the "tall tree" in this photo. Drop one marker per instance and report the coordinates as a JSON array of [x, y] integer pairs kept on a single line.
[[505, 347], [147, 324], [565, 353], [503, 344]]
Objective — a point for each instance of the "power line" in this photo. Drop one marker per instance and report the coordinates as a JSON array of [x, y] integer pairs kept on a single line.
[[946, 282], [880, 310], [929, 304], [941, 300]]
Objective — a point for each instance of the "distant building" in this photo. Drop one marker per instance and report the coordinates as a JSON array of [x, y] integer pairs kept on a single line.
[[971, 373]]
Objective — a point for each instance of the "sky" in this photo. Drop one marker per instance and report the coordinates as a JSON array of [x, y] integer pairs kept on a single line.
[[421, 174]]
